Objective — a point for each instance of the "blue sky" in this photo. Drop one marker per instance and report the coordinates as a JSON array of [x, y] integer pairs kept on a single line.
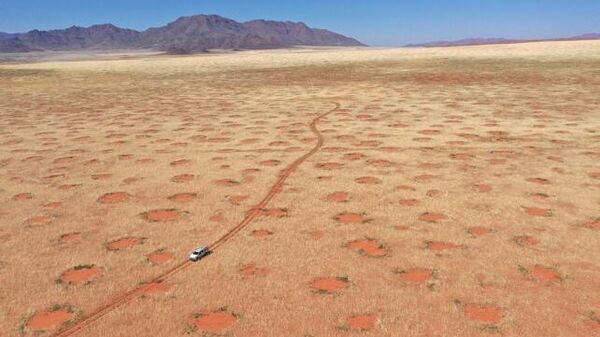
[[375, 22]]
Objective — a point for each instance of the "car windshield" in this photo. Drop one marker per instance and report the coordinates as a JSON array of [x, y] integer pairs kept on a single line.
[[195, 253]]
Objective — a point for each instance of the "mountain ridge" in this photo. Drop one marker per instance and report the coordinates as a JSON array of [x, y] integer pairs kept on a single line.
[[187, 34]]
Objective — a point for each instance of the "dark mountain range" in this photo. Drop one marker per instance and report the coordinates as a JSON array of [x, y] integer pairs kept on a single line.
[[186, 34], [480, 41]]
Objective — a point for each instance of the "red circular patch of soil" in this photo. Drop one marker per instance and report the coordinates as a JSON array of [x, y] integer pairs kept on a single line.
[[461, 156], [271, 162], [226, 182], [380, 163], [424, 178], [408, 202], [439, 246], [315, 233], [329, 285], [68, 186], [80, 275], [434, 193], [483, 188], [330, 166], [49, 320], [261, 233], [123, 243], [540, 181], [535, 211], [432, 217], [181, 162], [274, 212], [113, 198], [237, 199], [54, 204], [546, 274], [479, 231], [39, 220], [354, 156], [362, 322], [594, 224], [182, 178], [350, 218], [526, 240], [101, 176], [486, 313], [217, 217], [183, 197], [70, 237], [23, 196], [160, 257], [130, 180], [368, 180], [540, 196], [154, 288], [416, 275], [368, 247], [338, 197], [216, 322], [251, 270], [162, 215]]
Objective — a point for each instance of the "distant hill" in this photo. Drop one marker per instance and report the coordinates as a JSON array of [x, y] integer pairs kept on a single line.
[[486, 41], [184, 35], [6, 35]]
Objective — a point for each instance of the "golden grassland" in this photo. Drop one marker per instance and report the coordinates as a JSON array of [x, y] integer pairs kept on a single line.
[[457, 192]]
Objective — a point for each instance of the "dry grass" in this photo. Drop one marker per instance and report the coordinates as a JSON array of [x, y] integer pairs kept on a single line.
[[486, 158]]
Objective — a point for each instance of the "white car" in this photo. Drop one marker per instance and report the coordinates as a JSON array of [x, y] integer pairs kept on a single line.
[[199, 253]]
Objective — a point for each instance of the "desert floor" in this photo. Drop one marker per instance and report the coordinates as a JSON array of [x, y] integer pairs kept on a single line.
[[372, 192]]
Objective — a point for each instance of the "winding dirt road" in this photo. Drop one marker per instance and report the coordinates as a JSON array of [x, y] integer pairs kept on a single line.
[[250, 216]]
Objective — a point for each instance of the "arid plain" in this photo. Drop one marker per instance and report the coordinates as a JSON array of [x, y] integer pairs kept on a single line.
[[375, 192]]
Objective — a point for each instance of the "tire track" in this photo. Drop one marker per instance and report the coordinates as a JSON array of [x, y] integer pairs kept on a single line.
[[254, 212]]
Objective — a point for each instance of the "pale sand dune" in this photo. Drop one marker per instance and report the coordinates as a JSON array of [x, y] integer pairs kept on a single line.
[[456, 192]]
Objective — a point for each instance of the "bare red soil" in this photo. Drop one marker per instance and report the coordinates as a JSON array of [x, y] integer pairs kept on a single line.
[[368, 247], [81, 275], [261, 233], [113, 198], [215, 322], [362, 322], [351, 218], [416, 275], [432, 217], [545, 274], [183, 197], [338, 197], [251, 270], [123, 243], [329, 285], [486, 313], [49, 320], [160, 256], [182, 178], [162, 215], [439, 246], [368, 180]]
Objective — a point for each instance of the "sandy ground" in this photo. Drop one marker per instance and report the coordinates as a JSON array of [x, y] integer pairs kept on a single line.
[[456, 193]]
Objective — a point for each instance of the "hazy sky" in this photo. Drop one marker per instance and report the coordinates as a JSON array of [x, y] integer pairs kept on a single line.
[[375, 22]]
